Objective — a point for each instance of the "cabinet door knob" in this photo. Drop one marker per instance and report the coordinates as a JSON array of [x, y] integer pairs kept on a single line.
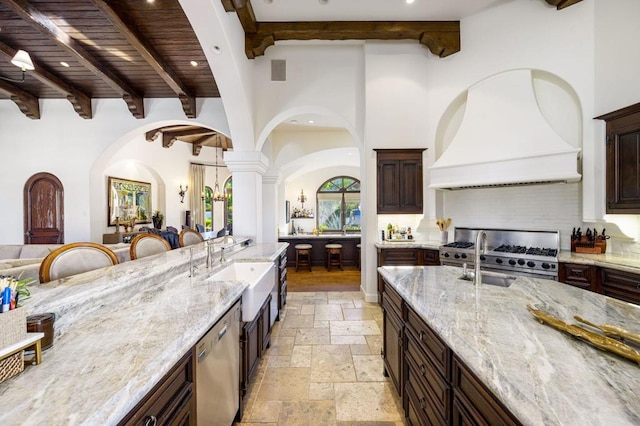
[[421, 335], [150, 421], [423, 371]]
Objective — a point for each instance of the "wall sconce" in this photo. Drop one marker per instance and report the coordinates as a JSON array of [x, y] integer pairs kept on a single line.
[[183, 192], [302, 198], [21, 60]]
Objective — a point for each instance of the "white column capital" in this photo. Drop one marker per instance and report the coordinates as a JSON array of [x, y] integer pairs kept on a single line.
[[246, 161], [272, 176]]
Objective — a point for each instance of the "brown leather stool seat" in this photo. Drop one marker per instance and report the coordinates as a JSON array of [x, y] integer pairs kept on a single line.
[[303, 256], [334, 255]]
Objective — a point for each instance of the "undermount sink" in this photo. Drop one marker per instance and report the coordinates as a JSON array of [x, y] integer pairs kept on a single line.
[[261, 278], [492, 278]]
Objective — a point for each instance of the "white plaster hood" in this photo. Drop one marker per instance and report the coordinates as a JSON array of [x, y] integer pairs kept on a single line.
[[504, 140]]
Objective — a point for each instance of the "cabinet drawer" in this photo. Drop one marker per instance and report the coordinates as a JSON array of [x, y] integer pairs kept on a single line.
[[421, 406], [393, 299], [430, 257], [621, 285], [472, 393], [422, 370], [399, 257], [437, 351], [168, 398], [582, 276]]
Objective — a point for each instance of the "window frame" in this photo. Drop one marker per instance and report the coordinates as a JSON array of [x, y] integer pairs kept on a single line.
[[343, 190]]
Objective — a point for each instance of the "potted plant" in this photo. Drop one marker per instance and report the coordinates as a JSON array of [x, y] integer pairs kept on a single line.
[[157, 218]]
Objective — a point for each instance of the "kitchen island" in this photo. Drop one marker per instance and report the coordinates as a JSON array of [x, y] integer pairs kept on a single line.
[[119, 330], [349, 242], [541, 375]]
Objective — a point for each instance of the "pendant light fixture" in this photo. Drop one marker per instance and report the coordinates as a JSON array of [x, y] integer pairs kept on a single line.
[[21, 60], [217, 194]]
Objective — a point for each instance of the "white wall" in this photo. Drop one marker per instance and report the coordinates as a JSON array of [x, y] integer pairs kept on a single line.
[[80, 151]]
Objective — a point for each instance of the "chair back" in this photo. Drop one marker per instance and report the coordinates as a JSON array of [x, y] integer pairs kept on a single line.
[[144, 245], [199, 227], [75, 258], [189, 237]]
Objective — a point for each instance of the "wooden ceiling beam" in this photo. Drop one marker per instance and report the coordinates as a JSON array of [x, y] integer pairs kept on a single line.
[[441, 37], [191, 131], [245, 13], [46, 26], [27, 103], [153, 58], [196, 145], [80, 101], [561, 4]]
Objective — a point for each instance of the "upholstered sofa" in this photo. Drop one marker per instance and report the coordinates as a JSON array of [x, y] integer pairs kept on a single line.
[[23, 261]]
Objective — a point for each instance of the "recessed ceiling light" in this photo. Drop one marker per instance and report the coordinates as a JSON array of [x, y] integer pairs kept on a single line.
[[194, 63], [216, 49], [311, 121], [409, 1], [150, 1], [64, 64]]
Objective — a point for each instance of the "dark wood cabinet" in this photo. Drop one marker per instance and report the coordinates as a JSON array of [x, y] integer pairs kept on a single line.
[[255, 339], [281, 279], [171, 401], [474, 404], [399, 179], [610, 282], [582, 276], [319, 253], [436, 387], [393, 342], [621, 285], [623, 160]]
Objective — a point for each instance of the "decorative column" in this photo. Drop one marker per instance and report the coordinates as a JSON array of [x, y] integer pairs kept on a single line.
[[271, 205], [247, 169]]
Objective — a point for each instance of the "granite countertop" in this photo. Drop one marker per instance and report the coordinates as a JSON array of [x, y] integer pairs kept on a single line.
[[425, 244], [325, 236], [622, 262], [119, 330], [542, 375]]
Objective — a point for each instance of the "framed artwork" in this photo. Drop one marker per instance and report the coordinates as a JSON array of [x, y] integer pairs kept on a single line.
[[128, 199]]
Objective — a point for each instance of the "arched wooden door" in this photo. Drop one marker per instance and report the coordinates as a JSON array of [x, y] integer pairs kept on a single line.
[[43, 210]]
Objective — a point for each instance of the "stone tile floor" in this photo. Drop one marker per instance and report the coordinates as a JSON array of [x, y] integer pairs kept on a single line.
[[324, 366]]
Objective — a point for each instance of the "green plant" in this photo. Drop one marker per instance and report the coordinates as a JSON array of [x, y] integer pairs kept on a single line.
[[157, 215], [22, 290]]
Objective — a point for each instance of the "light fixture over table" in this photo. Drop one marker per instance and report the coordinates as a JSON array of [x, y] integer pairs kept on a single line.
[[217, 194], [21, 60]]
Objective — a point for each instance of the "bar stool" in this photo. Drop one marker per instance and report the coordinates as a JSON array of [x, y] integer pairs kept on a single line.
[[334, 255], [358, 257], [303, 256]]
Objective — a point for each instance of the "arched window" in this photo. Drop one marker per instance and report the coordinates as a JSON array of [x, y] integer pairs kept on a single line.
[[208, 208], [338, 204]]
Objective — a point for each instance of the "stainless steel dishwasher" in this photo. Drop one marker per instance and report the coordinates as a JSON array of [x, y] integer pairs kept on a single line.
[[218, 371]]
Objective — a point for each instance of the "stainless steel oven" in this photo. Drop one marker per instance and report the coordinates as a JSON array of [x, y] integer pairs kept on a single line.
[[530, 253]]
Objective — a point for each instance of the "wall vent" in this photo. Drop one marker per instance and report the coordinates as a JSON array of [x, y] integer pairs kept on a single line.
[[278, 70]]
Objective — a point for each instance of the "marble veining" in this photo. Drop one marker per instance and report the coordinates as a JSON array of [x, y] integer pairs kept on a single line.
[[118, 332], [423, 244], [628, 263], [542, 375]]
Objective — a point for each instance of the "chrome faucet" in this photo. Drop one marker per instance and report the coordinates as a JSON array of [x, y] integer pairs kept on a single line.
[[222, 259], [209, 247], [479, 249], [227, 238]]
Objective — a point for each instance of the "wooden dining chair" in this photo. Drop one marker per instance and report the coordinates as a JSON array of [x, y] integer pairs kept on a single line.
[[144, 245], [75, 258], [189, 237]]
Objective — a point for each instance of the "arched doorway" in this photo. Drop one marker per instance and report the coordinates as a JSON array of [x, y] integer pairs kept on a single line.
[[43, 210]]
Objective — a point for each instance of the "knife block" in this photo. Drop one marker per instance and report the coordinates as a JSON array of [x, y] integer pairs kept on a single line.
[[583, 245]]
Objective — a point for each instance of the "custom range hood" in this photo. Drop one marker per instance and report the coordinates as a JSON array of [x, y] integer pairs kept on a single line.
[[504, 140]]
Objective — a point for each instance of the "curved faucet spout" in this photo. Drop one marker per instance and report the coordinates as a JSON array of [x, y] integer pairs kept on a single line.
[[480, 248]]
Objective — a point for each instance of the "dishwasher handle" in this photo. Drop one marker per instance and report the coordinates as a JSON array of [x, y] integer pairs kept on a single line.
[[222, 332]]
